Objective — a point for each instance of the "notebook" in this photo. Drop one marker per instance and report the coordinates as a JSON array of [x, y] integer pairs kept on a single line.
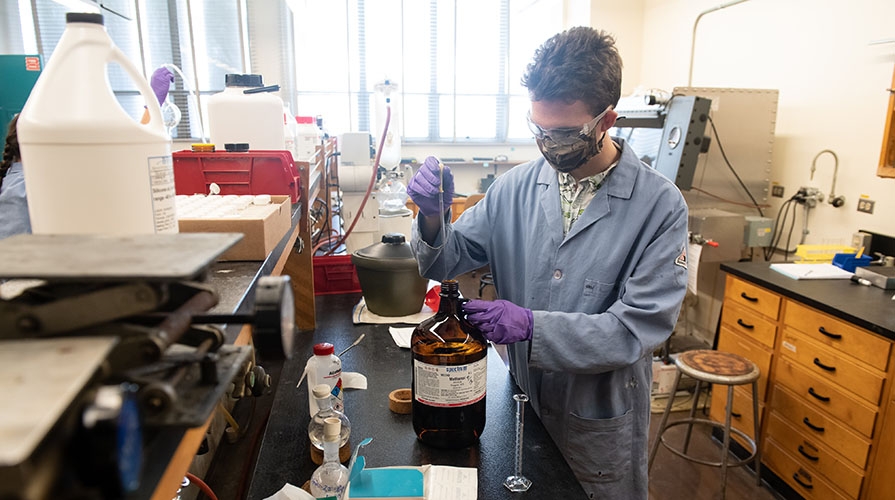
[[812, 271]]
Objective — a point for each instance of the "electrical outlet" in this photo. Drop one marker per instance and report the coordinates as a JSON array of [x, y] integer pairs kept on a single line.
[[777, 191], [866, 206]]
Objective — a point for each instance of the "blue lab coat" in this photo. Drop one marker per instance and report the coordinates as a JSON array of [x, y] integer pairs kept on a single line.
[[14, 218], [603, 297]]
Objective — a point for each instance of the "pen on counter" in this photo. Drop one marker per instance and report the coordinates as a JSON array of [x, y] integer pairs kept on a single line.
[[860, 281]]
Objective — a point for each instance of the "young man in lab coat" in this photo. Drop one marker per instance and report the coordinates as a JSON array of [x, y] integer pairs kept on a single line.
[[587, 247]]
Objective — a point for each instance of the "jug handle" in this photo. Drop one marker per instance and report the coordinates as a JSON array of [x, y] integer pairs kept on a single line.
[[155, 112]]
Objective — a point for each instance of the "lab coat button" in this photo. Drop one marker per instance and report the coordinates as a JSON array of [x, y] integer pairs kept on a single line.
[[557, 274]]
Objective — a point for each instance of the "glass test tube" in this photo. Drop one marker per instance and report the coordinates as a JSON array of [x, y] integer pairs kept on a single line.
[[517, 482]]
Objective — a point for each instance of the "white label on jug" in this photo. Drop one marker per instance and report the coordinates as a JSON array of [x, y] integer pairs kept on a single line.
[[161, 179], [448, 386]]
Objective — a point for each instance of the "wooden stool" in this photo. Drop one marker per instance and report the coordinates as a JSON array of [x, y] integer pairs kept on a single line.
[[719, 368]]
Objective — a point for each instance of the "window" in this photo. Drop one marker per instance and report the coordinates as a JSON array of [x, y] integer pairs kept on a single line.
[[458, 64], [202, 38]]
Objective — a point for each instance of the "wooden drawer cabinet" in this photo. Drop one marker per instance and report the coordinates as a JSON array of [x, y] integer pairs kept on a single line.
[[805, 482], [731, 342], [821, 427], [881, 484], [814, 456], [826, 364], [827, 396], [839, 335], [748, 323], [754, 297], [824, 378]]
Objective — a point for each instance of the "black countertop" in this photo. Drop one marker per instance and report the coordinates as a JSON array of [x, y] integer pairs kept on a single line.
[[284, 456], [869, 307]]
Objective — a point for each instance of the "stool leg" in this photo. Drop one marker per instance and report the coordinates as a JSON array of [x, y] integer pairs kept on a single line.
[[725, 451], [757, 426], [658, 439], [692, 415]]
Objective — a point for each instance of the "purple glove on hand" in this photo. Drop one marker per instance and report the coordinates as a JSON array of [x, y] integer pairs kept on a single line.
[[160, 82], [423, 187], [501, 321]]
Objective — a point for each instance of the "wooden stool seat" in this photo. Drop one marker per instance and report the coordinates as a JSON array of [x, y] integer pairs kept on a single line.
[[718, 367]]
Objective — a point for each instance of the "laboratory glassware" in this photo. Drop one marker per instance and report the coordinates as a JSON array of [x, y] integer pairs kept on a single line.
[[449, 375], [331, 478], [316, 427], [517, 482]]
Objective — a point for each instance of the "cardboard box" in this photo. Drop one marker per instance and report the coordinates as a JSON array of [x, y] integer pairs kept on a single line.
[[260, 235], [663, 376]]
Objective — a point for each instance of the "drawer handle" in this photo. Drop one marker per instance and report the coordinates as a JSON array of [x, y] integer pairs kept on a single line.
[[750, 299], [806, 455], [812, 426], [804, 485], [825, 399], [834, 336], [735, 414], [744, 325], [823, 366]]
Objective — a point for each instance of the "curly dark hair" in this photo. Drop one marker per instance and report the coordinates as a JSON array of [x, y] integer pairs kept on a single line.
[[579, 64], [11, 150]]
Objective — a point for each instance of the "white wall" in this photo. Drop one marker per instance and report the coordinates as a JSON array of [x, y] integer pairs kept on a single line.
[[832, 86]]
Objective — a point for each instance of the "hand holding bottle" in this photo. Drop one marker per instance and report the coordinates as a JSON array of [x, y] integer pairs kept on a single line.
[[501, 321]]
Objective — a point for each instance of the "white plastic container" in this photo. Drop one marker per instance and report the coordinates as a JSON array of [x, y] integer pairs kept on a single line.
[[290, 131], [325, 368], [254, 118], [89, 167], [307, 138]]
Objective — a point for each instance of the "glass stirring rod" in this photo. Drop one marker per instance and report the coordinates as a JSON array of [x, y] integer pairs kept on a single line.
[[444, 275], [517, 482]]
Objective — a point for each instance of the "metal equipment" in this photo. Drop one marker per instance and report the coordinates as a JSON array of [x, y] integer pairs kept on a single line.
[[681, 120], [106, 340]]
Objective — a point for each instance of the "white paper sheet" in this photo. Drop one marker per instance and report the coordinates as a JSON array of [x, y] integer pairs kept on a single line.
[[812, 271], [694, 252], [452, 483], [401, 335]]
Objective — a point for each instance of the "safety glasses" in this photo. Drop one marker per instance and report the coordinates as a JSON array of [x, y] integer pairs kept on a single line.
[[562, 134]]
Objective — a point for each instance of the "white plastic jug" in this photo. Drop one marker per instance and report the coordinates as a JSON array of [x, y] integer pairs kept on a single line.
[[255, 118], [307, 137], [89, 167]]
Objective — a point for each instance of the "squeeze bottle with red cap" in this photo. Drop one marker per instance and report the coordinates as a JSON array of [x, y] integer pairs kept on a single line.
[[325, 368]]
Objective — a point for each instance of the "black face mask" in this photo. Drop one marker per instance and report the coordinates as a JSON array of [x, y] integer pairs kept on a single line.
[[568, 154]]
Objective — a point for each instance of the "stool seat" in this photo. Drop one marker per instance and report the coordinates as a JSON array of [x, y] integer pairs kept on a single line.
[[718, 367]]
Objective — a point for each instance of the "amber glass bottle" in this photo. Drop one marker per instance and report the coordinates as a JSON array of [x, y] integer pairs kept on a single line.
[[449, 375]]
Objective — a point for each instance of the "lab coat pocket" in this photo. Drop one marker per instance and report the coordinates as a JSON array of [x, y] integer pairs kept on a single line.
[[597, 291], [600, 449]]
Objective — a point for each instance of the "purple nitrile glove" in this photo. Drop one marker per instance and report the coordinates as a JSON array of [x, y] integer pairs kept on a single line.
[[501, 321], [423, 187], [161, 82]]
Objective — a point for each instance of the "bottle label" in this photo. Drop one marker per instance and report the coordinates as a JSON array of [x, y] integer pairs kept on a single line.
[[161, 180], [448, 386]]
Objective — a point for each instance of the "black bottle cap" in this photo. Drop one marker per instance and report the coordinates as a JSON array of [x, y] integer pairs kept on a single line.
[[236, 80], [240, 147], [83, 17], [393, 238]]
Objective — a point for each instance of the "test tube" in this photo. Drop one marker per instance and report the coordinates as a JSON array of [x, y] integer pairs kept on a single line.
[[517, 482]]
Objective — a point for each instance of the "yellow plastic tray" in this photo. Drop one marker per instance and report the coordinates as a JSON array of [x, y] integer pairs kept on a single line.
[[819, 254]]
